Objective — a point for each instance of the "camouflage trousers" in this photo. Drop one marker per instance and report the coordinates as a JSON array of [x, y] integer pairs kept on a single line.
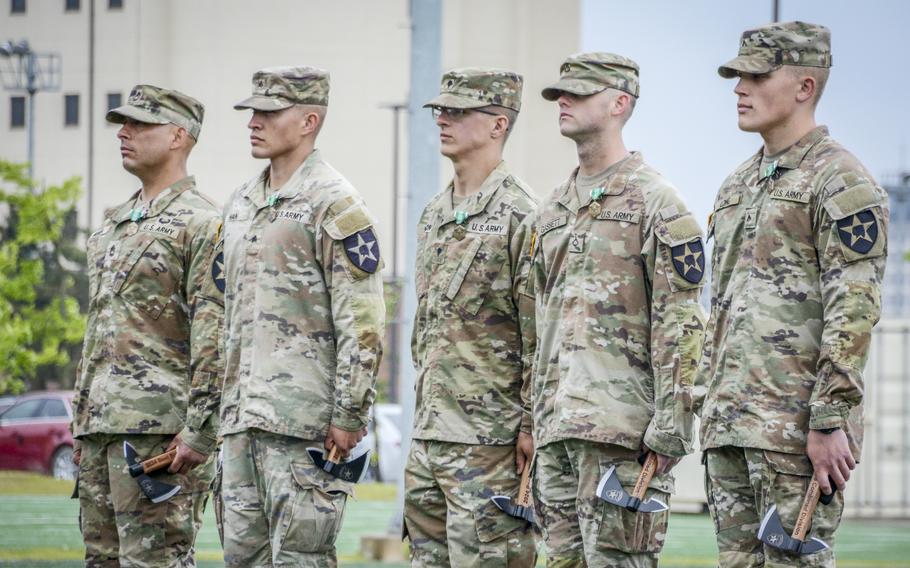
[[120, 526], [279, 508], [579, 528], [742, 484], [448, 515]]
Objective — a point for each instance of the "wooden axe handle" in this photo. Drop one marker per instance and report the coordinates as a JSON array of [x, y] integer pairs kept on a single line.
[[644, 478], [159, 462], [333, 455], [524, 488], [804, 520]]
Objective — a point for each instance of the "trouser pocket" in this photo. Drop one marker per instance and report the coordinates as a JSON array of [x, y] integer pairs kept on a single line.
[[315, 510], [495, 531]]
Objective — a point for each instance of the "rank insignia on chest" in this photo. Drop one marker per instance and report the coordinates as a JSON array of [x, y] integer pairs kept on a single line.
[[577, 242], [218, 272], [689, 260], [859, 231], [362, 250]]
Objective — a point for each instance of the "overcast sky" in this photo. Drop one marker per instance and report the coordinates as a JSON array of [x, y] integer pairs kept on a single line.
[[685, 120]]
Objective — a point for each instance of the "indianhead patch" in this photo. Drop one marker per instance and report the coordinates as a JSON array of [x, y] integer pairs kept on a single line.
[[859, 231], [689, 260], [362, 249], [218, 272]]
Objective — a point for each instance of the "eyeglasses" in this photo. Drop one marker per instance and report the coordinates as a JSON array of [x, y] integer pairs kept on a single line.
[[457, 113]]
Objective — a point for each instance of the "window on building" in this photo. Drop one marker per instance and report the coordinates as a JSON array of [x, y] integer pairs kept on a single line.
[[17, 112], [114, 4], [71, 112], [73, 5], [17, 7], [114, 100]]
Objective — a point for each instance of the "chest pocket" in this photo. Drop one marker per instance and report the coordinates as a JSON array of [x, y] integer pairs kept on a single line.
[[473, 278], [148, 277]]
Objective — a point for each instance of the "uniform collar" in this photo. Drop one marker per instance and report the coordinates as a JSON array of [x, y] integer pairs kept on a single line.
[[122, 212], [478, 201], [258, 192], [794, 156], [615, 185]]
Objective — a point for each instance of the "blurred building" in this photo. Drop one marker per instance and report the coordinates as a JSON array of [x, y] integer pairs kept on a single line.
[[210, 48], [896, 289]]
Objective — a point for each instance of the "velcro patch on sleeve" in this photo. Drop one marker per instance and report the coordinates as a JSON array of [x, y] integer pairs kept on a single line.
[[353, 219], [679, 231], [852, 200]]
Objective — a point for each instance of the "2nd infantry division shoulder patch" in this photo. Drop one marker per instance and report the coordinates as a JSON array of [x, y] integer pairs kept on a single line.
[[362, 250], [689, 260], [859, 231], [218, 272]]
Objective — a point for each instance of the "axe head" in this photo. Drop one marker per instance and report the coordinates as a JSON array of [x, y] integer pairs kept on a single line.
[[506, 504], [610, 490], [772, 533], [351, 470], [156, 491]]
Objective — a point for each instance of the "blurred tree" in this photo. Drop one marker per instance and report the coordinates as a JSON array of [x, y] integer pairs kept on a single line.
[[42, 278]]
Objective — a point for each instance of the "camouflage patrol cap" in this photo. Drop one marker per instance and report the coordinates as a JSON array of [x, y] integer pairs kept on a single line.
[[768, 48], [277, 88], [155, 105], [476, 88], [590, 73]]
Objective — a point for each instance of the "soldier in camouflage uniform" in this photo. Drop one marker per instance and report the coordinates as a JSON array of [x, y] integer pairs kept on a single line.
[[473, 338], [150, 365], [304, 317], [617, 265], [799, 252]]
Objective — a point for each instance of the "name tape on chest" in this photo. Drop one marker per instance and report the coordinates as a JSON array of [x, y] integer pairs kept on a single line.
[[486, 228], [622, 216], [159, 229], [552, 224]]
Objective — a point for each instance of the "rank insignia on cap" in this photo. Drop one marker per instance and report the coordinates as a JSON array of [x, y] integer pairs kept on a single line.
[[363, 250], [218, 272], [689, 260], [859, 232]]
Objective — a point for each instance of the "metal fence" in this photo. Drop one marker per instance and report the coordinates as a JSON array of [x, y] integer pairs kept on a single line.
[[880, 485]]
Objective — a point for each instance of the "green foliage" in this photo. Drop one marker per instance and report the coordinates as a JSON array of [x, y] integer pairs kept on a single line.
[[41, 270]]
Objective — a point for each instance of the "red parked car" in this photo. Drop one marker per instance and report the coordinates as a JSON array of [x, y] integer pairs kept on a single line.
[[35, 434]]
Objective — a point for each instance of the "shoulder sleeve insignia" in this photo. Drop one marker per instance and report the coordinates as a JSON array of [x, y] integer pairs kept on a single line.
[[218, 272], [859, 231], [689, 260], [362, 249]]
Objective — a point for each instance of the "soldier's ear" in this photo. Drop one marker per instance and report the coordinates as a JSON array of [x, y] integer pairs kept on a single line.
[[807, 88], [500, 126], [180, 138]]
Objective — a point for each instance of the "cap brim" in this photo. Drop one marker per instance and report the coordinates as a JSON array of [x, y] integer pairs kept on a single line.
[[449, 100], [750, 64], [579, 87], [121, 113], [266, 104]]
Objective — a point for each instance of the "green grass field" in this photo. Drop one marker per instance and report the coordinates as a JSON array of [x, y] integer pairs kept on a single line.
[[38, 529]]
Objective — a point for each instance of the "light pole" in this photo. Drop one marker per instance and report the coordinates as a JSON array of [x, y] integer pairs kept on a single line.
[[395, 367], [29, 76]]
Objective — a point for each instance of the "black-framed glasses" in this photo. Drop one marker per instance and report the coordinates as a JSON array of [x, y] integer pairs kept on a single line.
[[457, 113]]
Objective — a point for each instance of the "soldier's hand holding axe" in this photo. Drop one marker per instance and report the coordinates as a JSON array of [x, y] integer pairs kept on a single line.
[[186, 457]]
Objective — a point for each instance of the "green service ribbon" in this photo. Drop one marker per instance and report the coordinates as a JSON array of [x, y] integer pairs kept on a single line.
[[136, 214], [770, 169], [273, 199], [597, 193], [461, 217]]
